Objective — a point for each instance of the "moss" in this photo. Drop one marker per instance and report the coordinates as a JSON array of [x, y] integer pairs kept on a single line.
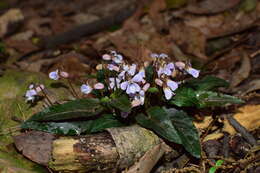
[[13, 85]]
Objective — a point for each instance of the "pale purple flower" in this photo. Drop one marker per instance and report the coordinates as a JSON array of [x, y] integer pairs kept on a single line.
[[106, 57], [39, 88], [130, 87], [163, 56], [99, 86], [64, 74], [195, 73], [86, 89], [114, 82], [54, 75], [113, 67], [138, 78], [172, 85], [138, 99], [180, 65], [121, 75], [30, 94], [168, 93], [117, 58], [154, 55], [132, 69]]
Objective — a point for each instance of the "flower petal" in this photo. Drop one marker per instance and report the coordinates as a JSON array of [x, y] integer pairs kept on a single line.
[[86, 89], [172, 85], [195, 73], [54, 75], [99, 86], [163, 55], [158, 82], [180, 65], [154, 55], [132, 70], [167, 93], [106, 57], [146, 87], [124, 85], [137, 78]]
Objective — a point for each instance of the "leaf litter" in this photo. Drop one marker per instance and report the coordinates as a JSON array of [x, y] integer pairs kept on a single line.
[[183, 31]]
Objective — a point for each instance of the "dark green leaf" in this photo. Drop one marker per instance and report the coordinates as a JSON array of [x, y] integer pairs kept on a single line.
[[74, 127], [81, 108], [158, 120], [60, 128], [149, 73], [122, 103], [207, 83], [106, 121], [184, 97], [101, 76], [208, 98], [187, 97], [186, 130]]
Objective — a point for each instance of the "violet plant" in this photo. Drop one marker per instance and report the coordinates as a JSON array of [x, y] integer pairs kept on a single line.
[[154, 95]]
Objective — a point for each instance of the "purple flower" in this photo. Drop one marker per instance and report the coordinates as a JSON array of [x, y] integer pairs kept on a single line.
[[172, 85], [86, 89], [30, 94], [168, 90], [54, 75], [130, 87], [114, 82], [167, 93], [195, 73]]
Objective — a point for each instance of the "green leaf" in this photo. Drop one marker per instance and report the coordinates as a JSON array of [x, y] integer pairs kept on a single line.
[[184, 97], [207, 83], [158, 120], [213, 169], [106, 121], [186, 131], [149, 73], [60, 128], [74, 127], [208, 99], [219, 162], [122, 103], [81, 108], [187, 97]]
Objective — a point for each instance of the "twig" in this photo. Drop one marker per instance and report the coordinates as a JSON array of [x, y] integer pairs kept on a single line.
[[238, 127]]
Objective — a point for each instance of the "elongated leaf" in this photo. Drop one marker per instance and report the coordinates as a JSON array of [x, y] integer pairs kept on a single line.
[[184, 97], [149, 73], [159, 121], [188, 97], [186, 130], [81, 108], [207, 83], [122, 103], [208, 98], [60, 128], [104, 122], [74, 127]]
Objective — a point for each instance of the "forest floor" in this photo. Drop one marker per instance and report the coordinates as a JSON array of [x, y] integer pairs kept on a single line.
[[219, 37]]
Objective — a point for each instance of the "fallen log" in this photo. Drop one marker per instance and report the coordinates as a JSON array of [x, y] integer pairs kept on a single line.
[[110, 151]]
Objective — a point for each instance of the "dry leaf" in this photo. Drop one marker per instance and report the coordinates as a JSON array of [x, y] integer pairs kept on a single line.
[[248, 117], [243, 72], [211, 6]]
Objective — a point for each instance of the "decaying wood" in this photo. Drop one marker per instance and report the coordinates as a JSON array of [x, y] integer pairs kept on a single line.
[[117, 149]]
